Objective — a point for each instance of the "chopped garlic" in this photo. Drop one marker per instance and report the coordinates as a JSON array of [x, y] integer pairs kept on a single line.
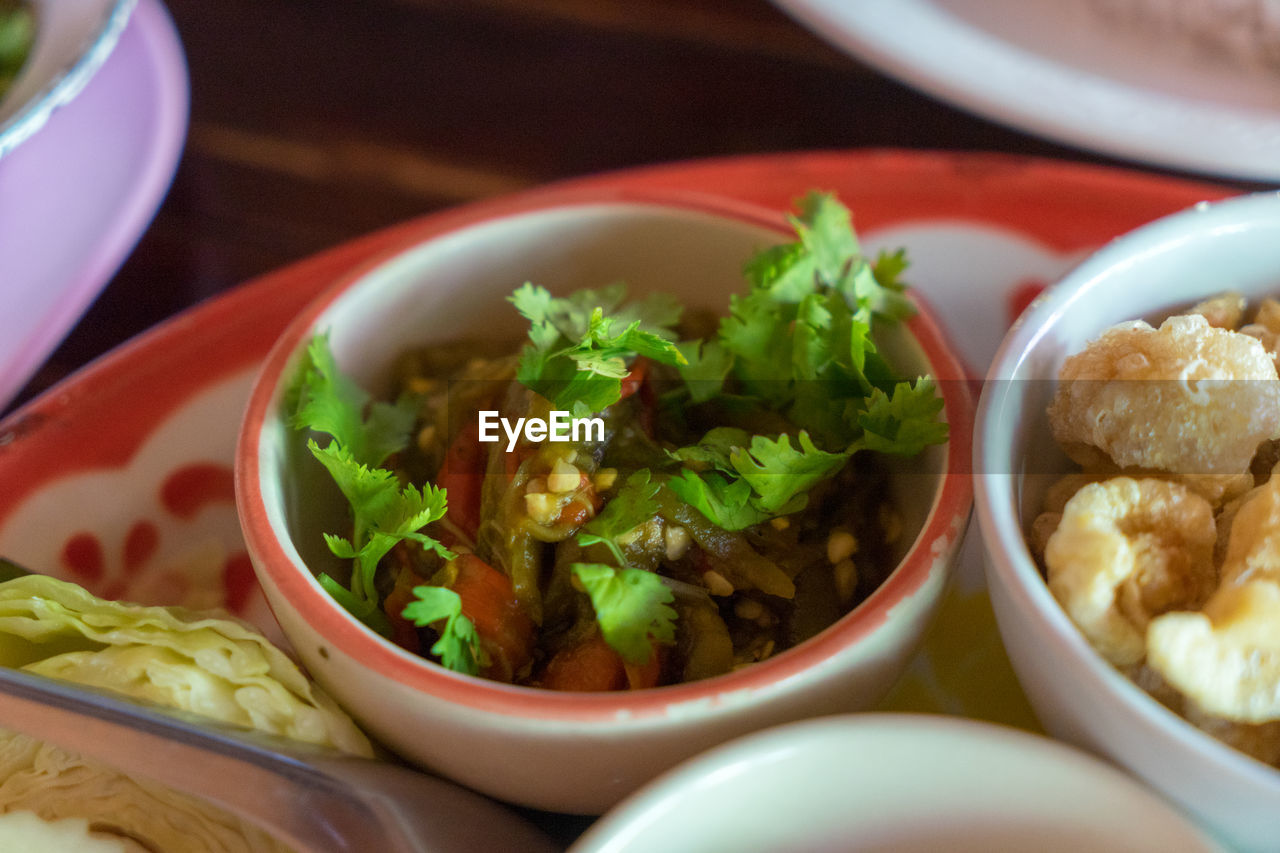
[[841, 545], [564, 477], [717, 584], [542, 507], [678, 541]]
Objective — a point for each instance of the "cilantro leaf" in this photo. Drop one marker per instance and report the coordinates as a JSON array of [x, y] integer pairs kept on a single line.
[[459, 645], [384, 513], [799, 343], [725, 502], [825, 229], [654, 312], [905, 423], [632, 608], [780, 475], [825, 252], [737, 480], [873, 295], [575, 359], [570, 315], [328, 401], [801, 333], [707, 365], [630, 604], [632, 506], [889, 267], [539, 307], [752, 478], [786, 272], [757, 333], [800, 339], [376, 496], [714, 449]]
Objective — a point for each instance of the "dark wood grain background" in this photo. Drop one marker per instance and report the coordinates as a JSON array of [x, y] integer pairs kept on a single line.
[[315, 121]]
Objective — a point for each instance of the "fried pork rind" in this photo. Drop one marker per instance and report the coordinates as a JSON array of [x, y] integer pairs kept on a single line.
[[1253, 547], [1221, 491], [1224, 311], [1217, 489], [1186, 398], [1125, 551], [1266, 328], [1226, 659]]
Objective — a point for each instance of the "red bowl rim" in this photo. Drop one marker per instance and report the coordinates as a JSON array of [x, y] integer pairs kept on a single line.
[[946, 517]]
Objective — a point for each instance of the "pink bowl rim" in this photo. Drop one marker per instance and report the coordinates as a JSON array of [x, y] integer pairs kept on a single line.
[[946, 517]]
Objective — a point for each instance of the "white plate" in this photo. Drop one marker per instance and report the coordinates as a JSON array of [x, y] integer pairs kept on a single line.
[[1058, 69], [73, 38], [893, 782]]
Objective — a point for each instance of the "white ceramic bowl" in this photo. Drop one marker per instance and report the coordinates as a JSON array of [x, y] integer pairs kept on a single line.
[[1168, 264], [560, 751], [902, 782]]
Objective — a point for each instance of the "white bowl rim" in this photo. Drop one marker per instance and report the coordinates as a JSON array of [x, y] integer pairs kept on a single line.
[[994, 504], [788, 670], [652, 804]]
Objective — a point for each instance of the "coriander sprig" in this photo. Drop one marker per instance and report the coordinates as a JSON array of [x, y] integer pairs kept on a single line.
[[632, 608], [458, 646], [799, 343], [631, 605], [575, 358], [363, 434]]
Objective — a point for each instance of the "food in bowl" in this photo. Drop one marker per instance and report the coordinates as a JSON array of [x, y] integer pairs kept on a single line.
[[1157, 271], [633, 498], [200, 662], [450, 278], [17, 31], [1164, 549]]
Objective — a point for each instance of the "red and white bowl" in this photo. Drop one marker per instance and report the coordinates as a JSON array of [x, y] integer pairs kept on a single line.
[[563, 751]]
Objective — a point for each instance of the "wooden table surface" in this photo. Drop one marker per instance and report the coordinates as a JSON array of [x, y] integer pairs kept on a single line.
[[315, 121]]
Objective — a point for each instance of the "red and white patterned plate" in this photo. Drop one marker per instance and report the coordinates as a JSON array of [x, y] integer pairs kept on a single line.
[[120, 477]]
